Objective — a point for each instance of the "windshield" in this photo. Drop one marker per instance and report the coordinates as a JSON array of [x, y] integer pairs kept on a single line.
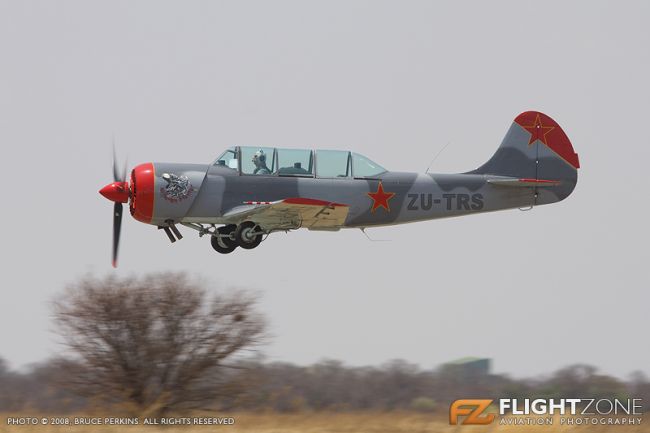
[[228, 159]]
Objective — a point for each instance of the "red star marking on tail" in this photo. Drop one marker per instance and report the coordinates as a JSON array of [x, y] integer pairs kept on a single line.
[[538, 131], [380, 198]]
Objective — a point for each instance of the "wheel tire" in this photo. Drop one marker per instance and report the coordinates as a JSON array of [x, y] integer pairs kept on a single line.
[[221, 247], [224, 245], [228, 230], [243, 238]]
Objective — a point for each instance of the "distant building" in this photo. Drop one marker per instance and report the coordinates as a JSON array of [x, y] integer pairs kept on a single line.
[[466, 369]]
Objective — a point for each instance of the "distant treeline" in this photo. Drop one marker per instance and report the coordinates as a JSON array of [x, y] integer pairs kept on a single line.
[[329, 386], [166, 343]]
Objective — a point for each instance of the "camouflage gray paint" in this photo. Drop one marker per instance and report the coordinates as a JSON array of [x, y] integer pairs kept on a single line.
[[534, 165]]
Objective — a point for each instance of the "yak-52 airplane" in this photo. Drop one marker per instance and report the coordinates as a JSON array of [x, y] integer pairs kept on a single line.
[[250, 192]]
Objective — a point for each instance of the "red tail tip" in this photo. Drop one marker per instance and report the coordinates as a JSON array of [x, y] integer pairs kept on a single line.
[[541, 127]]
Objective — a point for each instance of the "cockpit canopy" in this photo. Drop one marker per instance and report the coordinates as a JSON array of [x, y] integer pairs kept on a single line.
[[272, 161]]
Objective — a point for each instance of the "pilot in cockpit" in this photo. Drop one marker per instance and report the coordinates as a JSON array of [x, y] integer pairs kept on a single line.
[[259, 159]]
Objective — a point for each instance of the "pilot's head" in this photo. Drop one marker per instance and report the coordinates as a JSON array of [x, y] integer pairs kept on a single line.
[[259, 158]]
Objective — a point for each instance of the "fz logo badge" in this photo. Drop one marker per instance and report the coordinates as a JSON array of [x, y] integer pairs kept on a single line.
[[473, 410]]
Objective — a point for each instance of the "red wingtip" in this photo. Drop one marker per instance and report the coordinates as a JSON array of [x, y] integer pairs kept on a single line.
[[543, 128]]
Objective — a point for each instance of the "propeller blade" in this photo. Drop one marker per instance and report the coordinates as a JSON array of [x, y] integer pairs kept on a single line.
[[124, 171], [117, 176], [116, 173], [117, 226]]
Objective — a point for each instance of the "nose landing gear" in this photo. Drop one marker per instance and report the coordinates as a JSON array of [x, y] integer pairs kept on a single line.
[[225, 243], [226, 239]]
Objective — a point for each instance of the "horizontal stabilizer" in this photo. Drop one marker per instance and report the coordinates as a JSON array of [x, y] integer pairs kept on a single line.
[[512, 181]]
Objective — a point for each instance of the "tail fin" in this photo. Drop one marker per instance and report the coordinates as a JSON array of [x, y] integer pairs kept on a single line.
[[538, 152]]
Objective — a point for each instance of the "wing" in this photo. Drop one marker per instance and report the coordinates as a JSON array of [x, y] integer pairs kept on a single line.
[[291, 213]]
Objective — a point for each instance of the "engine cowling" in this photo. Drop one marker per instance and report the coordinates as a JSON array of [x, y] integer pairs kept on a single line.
[[161, 192], [142, 191]]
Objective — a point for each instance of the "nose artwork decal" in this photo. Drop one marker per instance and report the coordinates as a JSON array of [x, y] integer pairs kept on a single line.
[[178, 188]]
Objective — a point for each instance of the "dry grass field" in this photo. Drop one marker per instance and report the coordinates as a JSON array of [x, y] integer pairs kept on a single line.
[[362, 422]]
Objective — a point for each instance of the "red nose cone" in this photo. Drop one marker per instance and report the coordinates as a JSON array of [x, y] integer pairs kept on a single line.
[[116, 191]]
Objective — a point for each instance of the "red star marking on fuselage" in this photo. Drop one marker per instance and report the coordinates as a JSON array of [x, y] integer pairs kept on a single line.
[[380, 198], [538, 131]]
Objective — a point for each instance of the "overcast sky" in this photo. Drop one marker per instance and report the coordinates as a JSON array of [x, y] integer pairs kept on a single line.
[[396, 81]]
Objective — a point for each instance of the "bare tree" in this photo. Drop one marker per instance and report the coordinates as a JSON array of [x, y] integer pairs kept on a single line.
[[158, 343]]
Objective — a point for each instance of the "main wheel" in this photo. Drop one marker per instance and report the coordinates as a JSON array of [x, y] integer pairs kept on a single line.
[[246, 237], [230, 231], [224, 245]]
